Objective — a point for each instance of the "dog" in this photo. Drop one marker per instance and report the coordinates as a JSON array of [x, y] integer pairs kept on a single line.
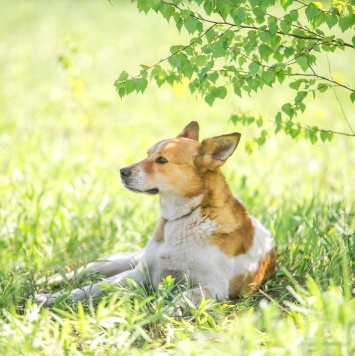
[[203, 232]]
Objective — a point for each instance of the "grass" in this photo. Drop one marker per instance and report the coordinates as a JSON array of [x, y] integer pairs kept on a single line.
[[64, 134]]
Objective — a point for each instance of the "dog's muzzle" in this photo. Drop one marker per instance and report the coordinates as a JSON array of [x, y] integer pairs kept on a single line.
[[126, 173]]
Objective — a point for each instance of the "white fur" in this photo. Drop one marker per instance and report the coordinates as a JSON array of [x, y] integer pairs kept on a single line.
[[173, 208]]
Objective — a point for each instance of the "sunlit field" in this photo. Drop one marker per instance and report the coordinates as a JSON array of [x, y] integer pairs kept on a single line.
[[64, 134]]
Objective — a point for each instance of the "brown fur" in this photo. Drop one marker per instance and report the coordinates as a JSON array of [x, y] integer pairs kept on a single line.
[[235, 235], [247, 282], [159, 231]]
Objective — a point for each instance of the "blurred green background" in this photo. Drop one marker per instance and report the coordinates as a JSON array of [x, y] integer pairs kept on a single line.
[[64, 132]]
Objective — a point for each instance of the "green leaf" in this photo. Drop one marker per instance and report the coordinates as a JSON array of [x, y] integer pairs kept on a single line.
[[278, 117], [302, 107], [324, 135], [167, 11], [144, 71], [278, 122], [294, 131], [188, 71], [234, 119], [285, 26], [259, 14], [318, 5], [352, 97], [331, 20], [273, 28], [121, 90], [289, 51], [259, 122], [254, 3], [178, 21], [300, 96], [237, 90], [191, 24], [288, 110], [313, 137], [241, 13], [265, 51], [208, 6], [185, 14], [141, 85], [144, 6], [302, 62], [295, 85], [265, 36], [281, 76], [209, 98], [200, 60], [286, 3], [319, 20], [253, 67], [269, 77], [294, 15], [176, 49], [241, 61], [222, 92], [322, 87], [345, 23], [311, 11], [253, 84], [178, 60], [123, 76], [218, 48], [213, 76], [130, 85]]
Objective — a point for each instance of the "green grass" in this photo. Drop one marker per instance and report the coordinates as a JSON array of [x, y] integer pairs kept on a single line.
[[64, 134]]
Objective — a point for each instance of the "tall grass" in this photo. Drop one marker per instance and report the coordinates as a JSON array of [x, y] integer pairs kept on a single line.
[[64, 134]]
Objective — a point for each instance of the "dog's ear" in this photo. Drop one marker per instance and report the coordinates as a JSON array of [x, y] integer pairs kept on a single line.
[[215, 151], [191, 131]]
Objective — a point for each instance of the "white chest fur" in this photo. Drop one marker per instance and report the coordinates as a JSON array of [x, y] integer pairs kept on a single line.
[[187, 249], [191, 231]]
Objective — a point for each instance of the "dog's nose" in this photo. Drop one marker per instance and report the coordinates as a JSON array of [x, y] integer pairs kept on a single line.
[[125, 172]]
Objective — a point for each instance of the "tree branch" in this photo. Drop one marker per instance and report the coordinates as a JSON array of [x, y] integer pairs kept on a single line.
[[224, 22], [323, 78]]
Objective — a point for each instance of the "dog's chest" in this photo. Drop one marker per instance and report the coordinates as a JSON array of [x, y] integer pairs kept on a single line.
[[187, 242]]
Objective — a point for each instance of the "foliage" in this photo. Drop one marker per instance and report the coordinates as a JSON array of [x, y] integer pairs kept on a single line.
[[241, 47]]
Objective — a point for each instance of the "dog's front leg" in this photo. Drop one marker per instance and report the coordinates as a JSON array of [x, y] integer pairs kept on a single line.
[[137, 274], [108, 266]]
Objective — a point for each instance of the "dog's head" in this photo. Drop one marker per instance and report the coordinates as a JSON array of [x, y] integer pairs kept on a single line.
[[177, 166]]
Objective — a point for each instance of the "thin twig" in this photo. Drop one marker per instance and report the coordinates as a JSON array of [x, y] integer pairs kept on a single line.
[[274, 301], [336, 96], [321, 77]]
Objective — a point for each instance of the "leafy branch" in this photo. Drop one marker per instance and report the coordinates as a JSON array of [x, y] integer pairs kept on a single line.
[[257, 48]]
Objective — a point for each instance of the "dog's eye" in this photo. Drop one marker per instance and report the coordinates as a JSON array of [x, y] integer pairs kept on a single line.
[[161, 160]]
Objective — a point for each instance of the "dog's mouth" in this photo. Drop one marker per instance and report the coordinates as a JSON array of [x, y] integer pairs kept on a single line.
[[152, 191]]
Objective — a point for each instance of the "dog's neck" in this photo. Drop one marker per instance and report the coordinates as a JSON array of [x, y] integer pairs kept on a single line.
[[173, 208]]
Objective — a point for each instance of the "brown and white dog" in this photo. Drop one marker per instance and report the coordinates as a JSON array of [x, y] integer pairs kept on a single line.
[[203, 232]]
